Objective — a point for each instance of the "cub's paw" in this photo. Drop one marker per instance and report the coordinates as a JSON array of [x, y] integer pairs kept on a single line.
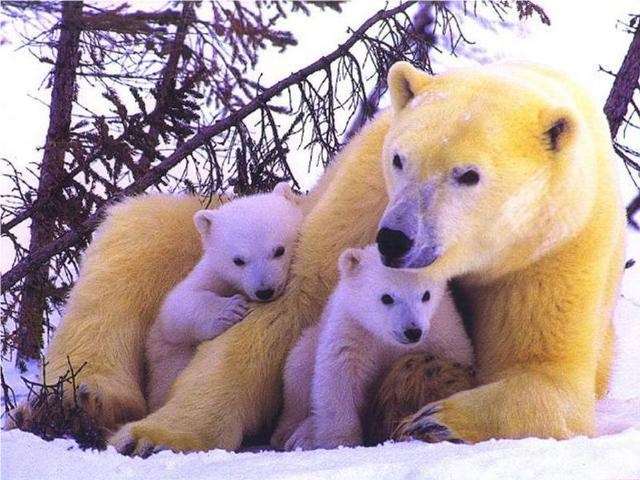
[[282, 433], [234, 310], [347, 436], [301, 438], [426, 425]]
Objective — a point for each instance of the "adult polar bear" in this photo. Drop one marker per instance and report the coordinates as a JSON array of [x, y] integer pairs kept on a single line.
[[536, 241]]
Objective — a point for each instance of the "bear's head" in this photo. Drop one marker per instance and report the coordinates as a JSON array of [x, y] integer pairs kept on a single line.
[[249, 241], [394, 305], [486, 170]]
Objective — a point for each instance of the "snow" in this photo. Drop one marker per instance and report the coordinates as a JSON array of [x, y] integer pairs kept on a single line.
[[611, 456]]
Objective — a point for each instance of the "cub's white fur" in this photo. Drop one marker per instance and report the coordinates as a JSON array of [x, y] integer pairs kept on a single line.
[[247, 249], [367, 324]]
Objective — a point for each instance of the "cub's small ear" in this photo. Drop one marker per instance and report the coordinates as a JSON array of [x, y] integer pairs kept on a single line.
[[350, 261], [405, 82], [204, 220], [284, 189], [558, 127]]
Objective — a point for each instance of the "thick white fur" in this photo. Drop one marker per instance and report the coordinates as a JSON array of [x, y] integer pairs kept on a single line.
[[213, 297], [330, 370]]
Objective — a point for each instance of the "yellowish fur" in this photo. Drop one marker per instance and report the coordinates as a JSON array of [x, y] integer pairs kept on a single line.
[[144, 247], [542, 303]]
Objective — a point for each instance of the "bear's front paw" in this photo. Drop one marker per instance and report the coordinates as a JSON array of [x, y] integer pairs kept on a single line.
[[234, 310], [126, 442], [143, 438], [426, 425]]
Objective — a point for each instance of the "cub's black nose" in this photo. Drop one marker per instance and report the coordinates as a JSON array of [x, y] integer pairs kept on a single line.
[[393, 244], [264, 295], [413, 334]]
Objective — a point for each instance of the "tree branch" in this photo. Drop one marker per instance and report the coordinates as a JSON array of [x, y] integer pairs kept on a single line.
[[624, 85], [167, 84]]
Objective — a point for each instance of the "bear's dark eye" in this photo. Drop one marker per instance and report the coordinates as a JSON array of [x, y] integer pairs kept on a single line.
[[279, 252], [386, 299], [397, 162], [427, 296], [468, 178], [239, 261]]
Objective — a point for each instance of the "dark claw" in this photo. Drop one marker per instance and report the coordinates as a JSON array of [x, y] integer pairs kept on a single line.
[[128, 448], [147, 451], [435, 432], [429, 411], [433, 428], [456, 441], [423, 427]]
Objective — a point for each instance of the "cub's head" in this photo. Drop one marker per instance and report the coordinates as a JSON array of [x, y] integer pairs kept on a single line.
[[395, 305], [249, 241], [483, 169]]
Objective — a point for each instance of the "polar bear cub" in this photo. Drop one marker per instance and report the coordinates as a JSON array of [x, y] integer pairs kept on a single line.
[[247, 248], [374, 316]]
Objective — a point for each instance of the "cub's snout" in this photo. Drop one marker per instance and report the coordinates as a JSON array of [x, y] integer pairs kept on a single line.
[[412, 335], [265, 295]]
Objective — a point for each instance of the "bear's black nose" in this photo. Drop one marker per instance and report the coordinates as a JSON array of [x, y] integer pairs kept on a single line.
[[265, 295], [393, 244], [413, 334]]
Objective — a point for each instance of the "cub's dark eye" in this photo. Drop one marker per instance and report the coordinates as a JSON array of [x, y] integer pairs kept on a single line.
[[397, 162], [278, 252], [386, 299], [468, 178], [239, 261], [427, 296]]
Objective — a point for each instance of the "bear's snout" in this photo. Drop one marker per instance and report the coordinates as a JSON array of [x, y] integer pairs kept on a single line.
[[392, 245]]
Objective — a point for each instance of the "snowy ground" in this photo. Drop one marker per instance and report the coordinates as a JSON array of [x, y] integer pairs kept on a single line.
[[614, 454]]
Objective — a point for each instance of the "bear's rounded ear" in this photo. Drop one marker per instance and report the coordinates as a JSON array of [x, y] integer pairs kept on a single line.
[[284, 189], [203, 220], [350, 261], [558, 127], [405, 82]]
